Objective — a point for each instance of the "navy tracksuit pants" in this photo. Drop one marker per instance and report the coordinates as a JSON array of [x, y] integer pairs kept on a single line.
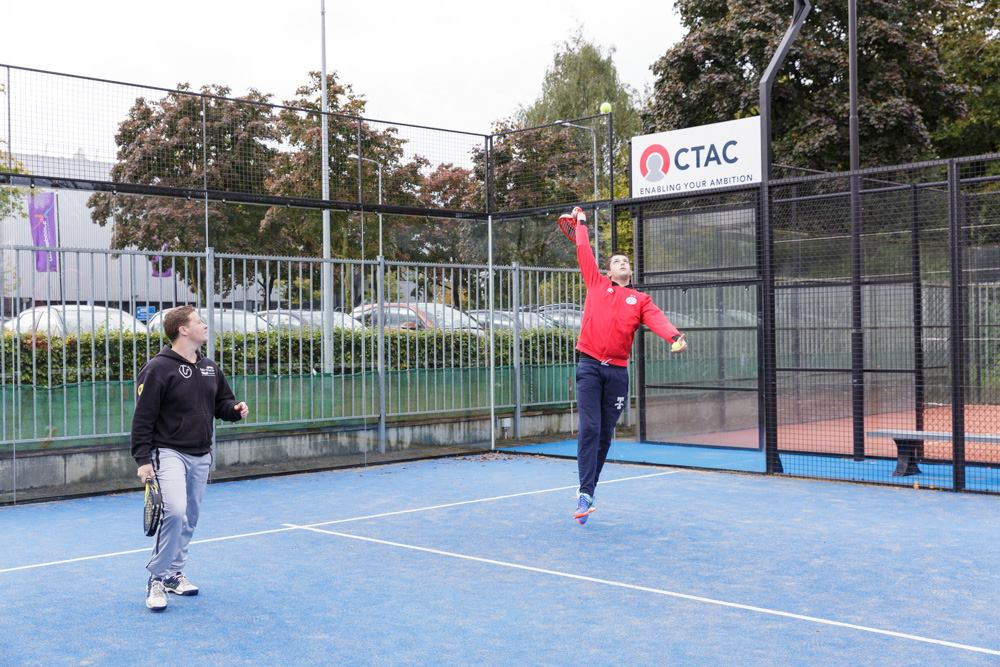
[[601, 392]]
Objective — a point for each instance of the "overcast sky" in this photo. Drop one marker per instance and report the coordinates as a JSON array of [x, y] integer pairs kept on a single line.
[[454, 64]]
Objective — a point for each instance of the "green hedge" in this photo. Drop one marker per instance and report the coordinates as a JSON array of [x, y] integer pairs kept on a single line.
[[117, 356]]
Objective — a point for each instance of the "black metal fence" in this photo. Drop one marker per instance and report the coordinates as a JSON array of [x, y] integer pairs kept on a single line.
[[885, 324], [864, 349], [79, 132]]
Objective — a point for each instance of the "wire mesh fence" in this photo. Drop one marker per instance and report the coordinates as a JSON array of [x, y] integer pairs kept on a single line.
[[149, 140], [387, 343], [884, 318], [452, 298]]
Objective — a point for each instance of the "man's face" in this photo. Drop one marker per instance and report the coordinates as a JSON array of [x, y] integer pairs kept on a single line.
[[619, 269], [197, 329]]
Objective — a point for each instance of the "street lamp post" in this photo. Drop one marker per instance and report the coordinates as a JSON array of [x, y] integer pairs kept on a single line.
[[593, 135], [379, 166], [326, 271]]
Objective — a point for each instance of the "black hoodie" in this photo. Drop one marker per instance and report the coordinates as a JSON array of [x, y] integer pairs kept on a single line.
[[175, 403]]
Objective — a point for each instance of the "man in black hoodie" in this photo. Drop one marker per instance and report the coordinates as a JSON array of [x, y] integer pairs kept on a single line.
[[177, 394]]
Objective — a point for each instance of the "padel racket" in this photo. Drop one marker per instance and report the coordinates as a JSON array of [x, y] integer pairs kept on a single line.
[[152, 508], [568, 221]]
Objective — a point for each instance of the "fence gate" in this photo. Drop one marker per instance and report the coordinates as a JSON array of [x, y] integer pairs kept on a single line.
[[697, 256]]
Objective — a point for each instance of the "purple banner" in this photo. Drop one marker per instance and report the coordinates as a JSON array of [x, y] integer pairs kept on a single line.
[[42, 216], [161, 265]]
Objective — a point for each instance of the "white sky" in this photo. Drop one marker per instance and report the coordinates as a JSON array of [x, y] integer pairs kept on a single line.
[[454, 64]]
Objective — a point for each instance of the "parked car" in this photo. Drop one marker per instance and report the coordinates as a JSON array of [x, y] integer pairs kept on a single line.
[[417, 316], [226, 320], [726, 317], [504, 319], [302, 319], [683, 321], [565, 315], [73, 320]]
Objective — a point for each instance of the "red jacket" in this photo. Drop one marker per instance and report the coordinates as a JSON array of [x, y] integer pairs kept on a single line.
[[611, 313]]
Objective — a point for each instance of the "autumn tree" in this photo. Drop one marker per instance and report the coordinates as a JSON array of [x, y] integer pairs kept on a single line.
[[164, 143], [905, 95]]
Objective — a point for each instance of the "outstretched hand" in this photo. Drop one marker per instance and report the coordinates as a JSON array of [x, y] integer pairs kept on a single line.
[[679, 345]]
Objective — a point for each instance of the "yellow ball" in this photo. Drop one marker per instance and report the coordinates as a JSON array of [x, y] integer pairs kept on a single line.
[[606, 107]]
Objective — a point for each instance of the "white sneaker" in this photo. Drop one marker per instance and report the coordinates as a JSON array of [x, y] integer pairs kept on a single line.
[[156, 595], [178, 584]]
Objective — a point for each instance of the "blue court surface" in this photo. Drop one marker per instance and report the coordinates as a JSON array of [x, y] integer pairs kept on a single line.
[[932, 475], [476, 560]]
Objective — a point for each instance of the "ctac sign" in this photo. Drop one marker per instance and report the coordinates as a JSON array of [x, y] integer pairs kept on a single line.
[[696, 158]]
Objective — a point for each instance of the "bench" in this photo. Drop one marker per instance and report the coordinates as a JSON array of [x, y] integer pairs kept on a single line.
[[910, 446]]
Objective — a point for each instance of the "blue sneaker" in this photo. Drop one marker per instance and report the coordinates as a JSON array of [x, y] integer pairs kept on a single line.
[[584, 508]]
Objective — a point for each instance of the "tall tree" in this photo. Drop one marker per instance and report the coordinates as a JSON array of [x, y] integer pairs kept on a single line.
[[970, 52], [297, 170], [904, 93], [581, 77], [11, 199], [164, 143]]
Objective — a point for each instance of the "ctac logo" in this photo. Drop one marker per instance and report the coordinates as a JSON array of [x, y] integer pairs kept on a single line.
[[655, 161]]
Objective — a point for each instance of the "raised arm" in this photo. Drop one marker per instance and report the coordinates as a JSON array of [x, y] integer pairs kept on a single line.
[[585, 257]]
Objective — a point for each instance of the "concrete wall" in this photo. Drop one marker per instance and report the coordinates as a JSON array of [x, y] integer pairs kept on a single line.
[[54, 473]]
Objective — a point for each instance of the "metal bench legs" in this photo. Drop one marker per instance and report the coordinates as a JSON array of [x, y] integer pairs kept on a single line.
[[908, 453]]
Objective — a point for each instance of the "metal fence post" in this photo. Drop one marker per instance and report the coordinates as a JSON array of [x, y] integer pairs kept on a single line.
[[957, 329], [515, 305], [380, 325], [10, 139], [210, 298], [917, 301], [492, 346]]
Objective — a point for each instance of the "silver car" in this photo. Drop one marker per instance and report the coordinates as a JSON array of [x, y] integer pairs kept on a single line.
[[72, 320], [504, 319], [225, 320], [307, 319]]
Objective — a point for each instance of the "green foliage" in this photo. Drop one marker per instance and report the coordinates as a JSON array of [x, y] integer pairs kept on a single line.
[[165, 143], [581, 77], [970, 52], [41, 361], [11, 199], [905, 94]]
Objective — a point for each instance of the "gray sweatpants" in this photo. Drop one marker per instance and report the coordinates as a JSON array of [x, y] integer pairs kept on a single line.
[[182, 479]]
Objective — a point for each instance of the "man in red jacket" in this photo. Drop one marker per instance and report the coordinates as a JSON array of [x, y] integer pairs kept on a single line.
[[612, 313]]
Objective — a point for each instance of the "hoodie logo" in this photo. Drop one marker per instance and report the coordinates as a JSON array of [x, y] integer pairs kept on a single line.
[[138, 390], [185, 370]]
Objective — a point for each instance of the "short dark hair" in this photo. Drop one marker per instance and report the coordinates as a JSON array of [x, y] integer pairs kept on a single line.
[[175, 319]]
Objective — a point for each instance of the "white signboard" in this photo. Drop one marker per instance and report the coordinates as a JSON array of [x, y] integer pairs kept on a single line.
[[696, 158]]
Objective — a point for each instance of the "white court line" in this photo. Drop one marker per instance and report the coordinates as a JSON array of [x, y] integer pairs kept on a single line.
[[483, 500], [136, 551], [658, 591], [327, 523]]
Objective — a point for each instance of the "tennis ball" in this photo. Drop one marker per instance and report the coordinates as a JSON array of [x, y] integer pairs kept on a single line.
[[605, 107]]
